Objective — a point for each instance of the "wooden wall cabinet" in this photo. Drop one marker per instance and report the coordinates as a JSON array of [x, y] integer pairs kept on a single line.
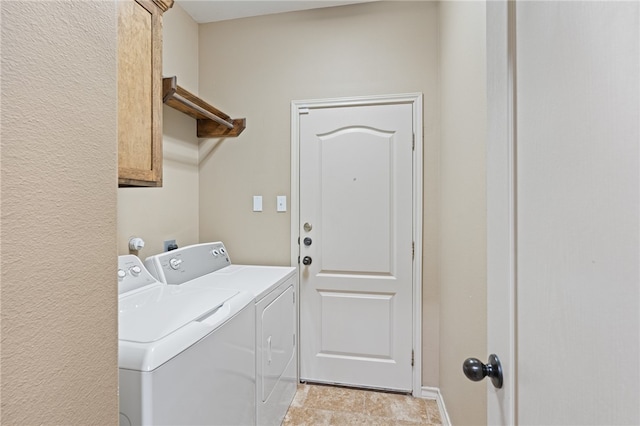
[[140, 91]]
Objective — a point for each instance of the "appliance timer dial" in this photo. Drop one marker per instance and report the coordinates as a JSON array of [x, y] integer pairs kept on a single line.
[[175, 263]]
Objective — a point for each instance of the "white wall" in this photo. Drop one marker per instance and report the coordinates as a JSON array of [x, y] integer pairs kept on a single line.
[[462, 206], [170, 212], [59, 175], [578, 213]]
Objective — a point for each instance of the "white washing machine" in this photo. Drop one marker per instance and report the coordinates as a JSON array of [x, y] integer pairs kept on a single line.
[[186, 355], [274, 288]]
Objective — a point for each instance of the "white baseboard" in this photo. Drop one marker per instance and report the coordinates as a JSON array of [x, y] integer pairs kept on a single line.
[[434, 393]]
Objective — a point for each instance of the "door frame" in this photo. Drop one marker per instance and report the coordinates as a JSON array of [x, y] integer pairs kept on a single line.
[[502, 207], [415, 99]]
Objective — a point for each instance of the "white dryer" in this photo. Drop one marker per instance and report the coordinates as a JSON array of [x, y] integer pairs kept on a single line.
[[274, 288], [186, 355]]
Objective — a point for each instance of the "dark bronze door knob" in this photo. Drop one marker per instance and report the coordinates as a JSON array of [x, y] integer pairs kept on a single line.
[[475, 370]]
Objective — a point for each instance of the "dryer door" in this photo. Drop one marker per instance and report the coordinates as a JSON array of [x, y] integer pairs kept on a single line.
[[277, 340]]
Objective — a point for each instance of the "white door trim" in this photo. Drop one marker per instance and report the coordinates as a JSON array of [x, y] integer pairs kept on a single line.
[[501, 206], [297, 108]]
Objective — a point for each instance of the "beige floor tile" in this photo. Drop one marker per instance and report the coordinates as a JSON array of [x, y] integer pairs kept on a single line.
[[300, 396], [335, 399], [399, 407], [343, 418], [302, 416], [332, 405], [433, 412]]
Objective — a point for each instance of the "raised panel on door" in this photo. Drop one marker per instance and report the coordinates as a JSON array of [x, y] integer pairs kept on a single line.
[[355, 178]]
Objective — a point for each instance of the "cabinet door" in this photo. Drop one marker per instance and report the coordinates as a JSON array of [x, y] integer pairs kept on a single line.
[[139, 93]]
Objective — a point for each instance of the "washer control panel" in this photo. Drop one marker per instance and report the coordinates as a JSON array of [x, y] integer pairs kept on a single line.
[[132, 274], [187, 263]]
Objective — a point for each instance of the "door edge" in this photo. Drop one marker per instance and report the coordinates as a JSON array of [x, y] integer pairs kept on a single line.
[[501, 206]]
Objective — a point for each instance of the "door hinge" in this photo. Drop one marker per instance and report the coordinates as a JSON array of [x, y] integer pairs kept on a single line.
[[413, 250], [413, 142], [412, 357]]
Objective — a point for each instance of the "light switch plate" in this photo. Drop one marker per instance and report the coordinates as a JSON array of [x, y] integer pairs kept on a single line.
[[281, 203], [257, 203]]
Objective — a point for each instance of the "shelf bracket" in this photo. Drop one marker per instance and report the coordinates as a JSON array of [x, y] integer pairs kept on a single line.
[[211, 122]]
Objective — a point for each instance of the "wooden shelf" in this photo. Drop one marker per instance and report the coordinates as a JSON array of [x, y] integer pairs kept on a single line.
[[211, 122]]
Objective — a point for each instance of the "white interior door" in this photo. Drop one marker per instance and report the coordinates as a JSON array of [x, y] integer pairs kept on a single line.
[[564, 211], [356, 229]]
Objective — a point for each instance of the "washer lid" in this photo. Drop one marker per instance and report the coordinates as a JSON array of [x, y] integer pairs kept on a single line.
[[157, 311], [257, 280]]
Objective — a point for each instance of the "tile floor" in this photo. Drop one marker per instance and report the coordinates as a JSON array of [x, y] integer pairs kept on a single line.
[[317, 405]]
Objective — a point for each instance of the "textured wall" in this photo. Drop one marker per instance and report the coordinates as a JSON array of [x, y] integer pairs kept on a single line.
[[255, 67], [170, 212], [58, 189], [463, 206]]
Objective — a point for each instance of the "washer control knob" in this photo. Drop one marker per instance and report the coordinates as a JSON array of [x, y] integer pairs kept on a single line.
[[121, 274], [175, 263], [222, 250], [215, 253], [135, 270]]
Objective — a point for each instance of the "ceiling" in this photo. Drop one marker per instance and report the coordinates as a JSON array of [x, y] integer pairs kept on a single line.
[[203, 11]]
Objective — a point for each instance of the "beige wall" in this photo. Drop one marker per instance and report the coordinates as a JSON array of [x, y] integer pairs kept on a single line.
[[55, 210], [59, 166], [170, 212], [462, 206], [255, 67]]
